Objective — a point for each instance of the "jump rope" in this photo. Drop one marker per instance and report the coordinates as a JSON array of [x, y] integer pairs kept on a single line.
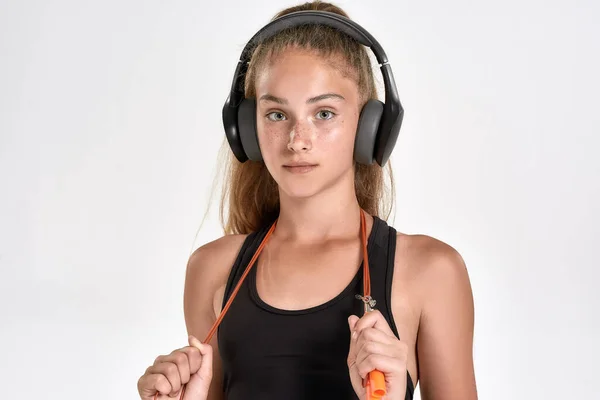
[[374, 383]]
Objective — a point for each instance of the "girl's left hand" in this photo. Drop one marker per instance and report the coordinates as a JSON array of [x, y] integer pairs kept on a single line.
[[373, 345]]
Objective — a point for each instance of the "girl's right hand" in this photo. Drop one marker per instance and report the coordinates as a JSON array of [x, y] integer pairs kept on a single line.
[[190, 365]]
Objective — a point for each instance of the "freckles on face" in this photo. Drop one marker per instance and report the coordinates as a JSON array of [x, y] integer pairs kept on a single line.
[[306, 105]]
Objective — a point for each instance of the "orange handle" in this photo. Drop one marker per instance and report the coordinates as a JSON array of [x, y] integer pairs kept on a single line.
[[375, 385]]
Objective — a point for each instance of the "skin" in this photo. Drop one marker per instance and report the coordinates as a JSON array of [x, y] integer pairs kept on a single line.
[[319, 226]]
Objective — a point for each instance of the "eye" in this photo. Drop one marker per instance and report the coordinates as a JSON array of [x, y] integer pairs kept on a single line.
[[276, 116], [325, 114]]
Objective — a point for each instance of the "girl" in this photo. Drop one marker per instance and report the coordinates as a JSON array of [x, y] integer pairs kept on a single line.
[[297, 328]]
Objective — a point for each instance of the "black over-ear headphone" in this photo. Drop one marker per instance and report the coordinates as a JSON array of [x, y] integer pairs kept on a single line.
[[379, 123]]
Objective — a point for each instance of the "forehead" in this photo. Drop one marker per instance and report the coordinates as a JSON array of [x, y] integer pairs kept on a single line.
[[300, 71]]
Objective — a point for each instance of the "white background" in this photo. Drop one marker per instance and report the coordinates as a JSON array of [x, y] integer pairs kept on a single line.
[[110, 124]]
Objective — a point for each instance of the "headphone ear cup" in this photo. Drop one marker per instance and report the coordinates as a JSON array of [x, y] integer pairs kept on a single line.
[[366, 133], [247, 129]]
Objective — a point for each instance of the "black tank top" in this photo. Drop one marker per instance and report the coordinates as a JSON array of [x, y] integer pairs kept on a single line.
[[268, 353]]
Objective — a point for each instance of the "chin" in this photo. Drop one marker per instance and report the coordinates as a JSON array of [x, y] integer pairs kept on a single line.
[[299, 190], [306, 186]]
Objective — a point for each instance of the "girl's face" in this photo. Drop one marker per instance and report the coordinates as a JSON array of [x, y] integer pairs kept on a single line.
[[307, 114]]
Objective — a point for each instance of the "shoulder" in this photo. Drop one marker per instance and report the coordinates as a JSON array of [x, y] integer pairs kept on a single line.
[[430, 254], [437, 271], [207, 271], [211, 257]]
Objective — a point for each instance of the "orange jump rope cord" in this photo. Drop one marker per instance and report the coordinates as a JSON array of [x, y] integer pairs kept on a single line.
[[374, 377], [375, 380], [239, 284]]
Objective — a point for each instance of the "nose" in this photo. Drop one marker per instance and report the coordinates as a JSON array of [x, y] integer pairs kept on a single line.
[[300, 138]]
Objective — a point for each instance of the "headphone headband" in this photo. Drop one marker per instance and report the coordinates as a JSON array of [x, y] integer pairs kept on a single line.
[[325, 18], [393, 113]]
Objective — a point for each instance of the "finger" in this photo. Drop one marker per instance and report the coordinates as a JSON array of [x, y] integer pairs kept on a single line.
[[151, 383], [374, 319], [181, 359], [376, 348], [194, 359], [188, 360], [373, 341], [355, 378], [171, 373], [194, 342], [205, 370], [352, 320], [383, 363], [374, 335]]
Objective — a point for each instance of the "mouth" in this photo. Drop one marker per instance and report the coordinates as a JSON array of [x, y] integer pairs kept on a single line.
[[300, 167]]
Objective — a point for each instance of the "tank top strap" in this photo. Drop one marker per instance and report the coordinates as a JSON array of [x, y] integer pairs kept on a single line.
[[249, 247], [381, 267]]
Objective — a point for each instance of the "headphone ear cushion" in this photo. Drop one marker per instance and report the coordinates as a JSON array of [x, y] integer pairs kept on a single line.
[[247, 129], [366, 133]]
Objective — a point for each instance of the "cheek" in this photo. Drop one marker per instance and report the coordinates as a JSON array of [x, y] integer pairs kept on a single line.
[[272, 139], [340, 137]]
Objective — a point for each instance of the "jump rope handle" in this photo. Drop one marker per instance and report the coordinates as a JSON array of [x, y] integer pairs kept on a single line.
[[375, 385], [375, 380]]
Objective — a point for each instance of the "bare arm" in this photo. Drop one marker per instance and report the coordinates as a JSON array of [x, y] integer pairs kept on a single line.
[[206, 276], [445, 339]]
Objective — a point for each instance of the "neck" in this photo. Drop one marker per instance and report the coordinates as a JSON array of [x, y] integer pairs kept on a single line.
[[333, 213]]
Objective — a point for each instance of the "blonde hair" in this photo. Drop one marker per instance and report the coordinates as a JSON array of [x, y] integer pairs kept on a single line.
[[250, 196]]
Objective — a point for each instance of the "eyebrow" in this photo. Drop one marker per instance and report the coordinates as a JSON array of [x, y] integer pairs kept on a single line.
[[325, 96]]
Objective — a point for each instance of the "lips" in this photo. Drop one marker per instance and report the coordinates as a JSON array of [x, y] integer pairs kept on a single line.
[[300, 167], [300, 164]]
